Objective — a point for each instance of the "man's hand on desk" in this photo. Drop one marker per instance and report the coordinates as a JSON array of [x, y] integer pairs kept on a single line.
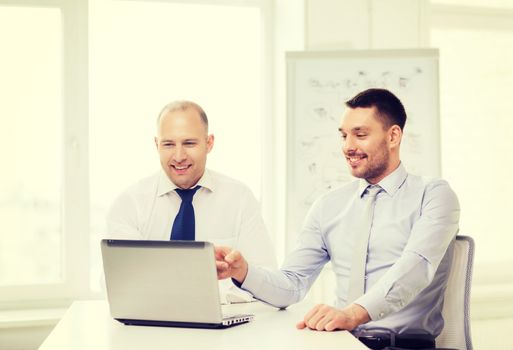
[[327, 318], [230, 264]]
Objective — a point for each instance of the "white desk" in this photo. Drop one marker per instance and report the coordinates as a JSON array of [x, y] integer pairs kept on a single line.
[[88, 325]]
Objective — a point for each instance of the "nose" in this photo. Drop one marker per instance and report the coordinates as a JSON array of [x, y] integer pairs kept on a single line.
[[180, 154], [348, 144]]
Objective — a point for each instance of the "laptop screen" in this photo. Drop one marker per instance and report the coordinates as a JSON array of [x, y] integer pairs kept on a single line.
[[162, 280]]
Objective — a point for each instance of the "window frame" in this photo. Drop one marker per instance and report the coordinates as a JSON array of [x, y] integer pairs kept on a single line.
[[492, 290], [74, 195], [75, 205]]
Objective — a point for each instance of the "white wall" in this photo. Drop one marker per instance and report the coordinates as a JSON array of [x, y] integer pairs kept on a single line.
[[372, 24]]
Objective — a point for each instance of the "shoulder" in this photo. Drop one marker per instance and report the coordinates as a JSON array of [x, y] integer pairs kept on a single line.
[[332, 203], [146, 186], [432, 189], [349, 189], [337, 196], [427, 183], [223, 182]]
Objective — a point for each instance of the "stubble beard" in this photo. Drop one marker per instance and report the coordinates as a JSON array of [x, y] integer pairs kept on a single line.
[[378, 166]]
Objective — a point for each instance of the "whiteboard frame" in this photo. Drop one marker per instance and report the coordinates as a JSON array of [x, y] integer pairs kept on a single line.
[[293, 223]]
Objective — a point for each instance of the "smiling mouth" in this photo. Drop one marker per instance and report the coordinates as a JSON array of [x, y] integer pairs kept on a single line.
[[181, 169], [354, 160]]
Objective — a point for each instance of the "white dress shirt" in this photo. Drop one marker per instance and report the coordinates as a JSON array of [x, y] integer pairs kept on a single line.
[[226, 213], [409, 255]]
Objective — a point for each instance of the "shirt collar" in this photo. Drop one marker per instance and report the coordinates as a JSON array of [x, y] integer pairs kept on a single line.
[[166, 185], [389, 184]]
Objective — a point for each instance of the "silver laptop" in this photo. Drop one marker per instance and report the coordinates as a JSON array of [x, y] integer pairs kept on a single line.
[[164, 283]]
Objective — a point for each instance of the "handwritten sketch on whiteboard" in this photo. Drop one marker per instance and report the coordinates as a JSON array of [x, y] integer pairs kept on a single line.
[[319, 83]]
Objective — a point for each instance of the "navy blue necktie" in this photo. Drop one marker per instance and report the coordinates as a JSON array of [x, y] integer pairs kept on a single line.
[[184, 225]]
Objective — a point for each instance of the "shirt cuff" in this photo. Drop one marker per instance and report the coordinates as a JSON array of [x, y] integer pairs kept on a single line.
[[376, 305], [253, 280], [237, 283]]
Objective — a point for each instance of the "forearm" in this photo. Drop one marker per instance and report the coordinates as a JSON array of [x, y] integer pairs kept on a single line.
[[429, 243], [277, 287], [290, 284], [398, 287]]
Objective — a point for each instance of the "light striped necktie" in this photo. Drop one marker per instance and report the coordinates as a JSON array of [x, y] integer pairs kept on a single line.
[[359, 260]]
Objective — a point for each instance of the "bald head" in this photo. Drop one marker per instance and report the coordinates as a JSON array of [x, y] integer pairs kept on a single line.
[[183, 105]]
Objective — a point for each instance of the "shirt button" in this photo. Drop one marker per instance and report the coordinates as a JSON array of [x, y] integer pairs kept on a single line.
[[381, 314]]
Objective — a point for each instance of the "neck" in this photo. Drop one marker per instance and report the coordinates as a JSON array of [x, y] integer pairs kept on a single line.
[[392, 166]]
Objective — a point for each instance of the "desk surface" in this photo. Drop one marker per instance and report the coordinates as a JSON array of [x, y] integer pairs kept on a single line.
[[88, 325]]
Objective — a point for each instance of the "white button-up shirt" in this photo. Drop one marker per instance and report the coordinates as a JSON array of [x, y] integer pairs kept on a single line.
[[226, 213]]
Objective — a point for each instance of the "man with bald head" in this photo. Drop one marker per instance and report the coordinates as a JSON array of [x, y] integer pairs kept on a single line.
[[187, 201]]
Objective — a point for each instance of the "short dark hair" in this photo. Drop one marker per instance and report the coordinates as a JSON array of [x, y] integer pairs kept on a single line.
[[389, 108]]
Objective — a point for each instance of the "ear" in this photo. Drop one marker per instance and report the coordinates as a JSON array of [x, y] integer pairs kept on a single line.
[[156, 142], [210, 142], [395, 135]]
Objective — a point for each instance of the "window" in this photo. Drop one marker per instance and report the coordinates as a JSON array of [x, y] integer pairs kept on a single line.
[[44, 198], [476, 75], [146, 54], [81, 89], [31, 143]]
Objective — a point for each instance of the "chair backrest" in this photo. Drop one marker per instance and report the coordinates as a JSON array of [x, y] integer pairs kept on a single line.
[[456, 332]]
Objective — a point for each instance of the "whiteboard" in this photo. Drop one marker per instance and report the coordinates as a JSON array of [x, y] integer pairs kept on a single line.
[[319, 83]]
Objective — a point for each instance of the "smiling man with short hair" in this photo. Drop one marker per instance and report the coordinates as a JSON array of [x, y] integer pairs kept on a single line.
[[388, 235]]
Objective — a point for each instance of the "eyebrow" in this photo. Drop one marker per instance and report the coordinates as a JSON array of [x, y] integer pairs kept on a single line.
[[355, 129]]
